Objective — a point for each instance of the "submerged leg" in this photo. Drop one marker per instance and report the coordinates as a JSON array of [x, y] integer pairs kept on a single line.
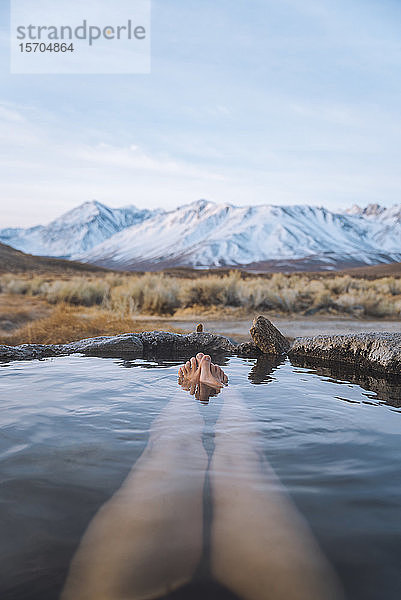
[[261, 547], [147, 540]]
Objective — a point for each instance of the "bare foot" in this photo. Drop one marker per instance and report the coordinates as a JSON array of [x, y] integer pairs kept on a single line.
[[201, 377], [189, 374], [211, 374]]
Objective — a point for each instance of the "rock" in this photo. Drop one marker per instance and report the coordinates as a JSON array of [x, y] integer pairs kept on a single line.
[[268, 338], [165, 343], [380, 352], [376, 352], [153, 343], [248, 349], [113, 345], [117, 345], [29, 351], [156, 342]]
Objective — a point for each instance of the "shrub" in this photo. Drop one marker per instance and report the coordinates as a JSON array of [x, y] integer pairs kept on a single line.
[[77, 291], [156, 293]]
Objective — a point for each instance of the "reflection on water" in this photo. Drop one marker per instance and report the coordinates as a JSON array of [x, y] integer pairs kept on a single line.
[[262, 369], [378, 388], [71, 428]]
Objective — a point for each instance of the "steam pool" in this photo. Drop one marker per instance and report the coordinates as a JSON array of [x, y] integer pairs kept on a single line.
[[72, 427]]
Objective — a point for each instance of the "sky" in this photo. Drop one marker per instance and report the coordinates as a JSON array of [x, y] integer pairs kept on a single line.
[[247, 102]]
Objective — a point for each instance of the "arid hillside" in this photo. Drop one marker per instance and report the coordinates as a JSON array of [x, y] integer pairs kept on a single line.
[[14, 261]]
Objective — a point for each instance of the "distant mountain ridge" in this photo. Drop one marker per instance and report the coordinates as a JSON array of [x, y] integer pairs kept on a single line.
[[77, 231], [205, 234], [376, 211]]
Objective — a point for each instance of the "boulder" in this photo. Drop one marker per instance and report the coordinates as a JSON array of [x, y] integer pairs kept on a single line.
[[29, 351], [150, 343], [113, 345], [268, 338], [165, 343], [380, 352], [116, 345], [248, 350], [375, 352]]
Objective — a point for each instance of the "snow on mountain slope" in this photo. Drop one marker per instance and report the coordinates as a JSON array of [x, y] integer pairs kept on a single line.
[[75, 232], [375, 211], [207, 234], [385, 222]]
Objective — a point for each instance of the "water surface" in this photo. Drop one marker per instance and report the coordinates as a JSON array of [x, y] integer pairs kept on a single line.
[[72, 427]]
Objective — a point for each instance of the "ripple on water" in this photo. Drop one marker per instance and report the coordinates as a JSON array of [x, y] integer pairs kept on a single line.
[[72, 427]]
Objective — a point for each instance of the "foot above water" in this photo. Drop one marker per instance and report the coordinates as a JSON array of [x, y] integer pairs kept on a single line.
[[200, 371], [211, 374], [191, 371]]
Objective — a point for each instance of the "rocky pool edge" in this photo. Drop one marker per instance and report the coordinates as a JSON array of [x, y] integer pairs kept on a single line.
[[374, 351]]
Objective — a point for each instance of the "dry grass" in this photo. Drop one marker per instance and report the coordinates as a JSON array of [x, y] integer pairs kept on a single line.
[[67, 324], [89, 305], [16, 311], [159, 294]]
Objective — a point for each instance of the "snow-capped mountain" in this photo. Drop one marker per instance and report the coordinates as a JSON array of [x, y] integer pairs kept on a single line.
[[372, 210], [375, 211], [208, 234], [77, 231], [204, 234]]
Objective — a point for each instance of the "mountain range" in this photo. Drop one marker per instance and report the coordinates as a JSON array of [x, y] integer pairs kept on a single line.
[[75, 232], [205, 234]]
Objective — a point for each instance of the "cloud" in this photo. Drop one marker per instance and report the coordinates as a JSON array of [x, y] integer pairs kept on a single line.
[[10, 115], [282, 102], [133, 157], [46, 169]]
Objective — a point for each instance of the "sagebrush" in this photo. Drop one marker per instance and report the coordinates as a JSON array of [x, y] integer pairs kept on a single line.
[[160, 294]]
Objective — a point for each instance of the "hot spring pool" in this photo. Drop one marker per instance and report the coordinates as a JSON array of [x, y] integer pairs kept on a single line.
[[72, 427]]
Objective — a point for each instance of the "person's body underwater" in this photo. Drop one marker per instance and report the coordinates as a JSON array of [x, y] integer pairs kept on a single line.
[[148, 539]]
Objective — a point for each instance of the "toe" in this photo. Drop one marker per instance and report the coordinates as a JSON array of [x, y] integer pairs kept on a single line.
[[199, 357], [193, 364], [205, 367]]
